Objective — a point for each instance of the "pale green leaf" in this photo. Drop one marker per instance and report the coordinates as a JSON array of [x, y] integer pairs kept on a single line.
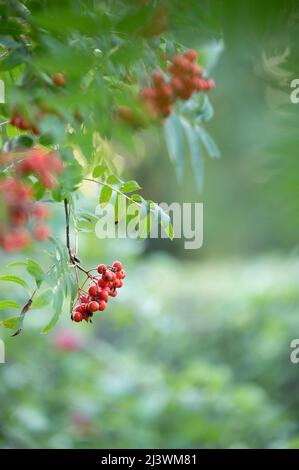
[[14, 279]]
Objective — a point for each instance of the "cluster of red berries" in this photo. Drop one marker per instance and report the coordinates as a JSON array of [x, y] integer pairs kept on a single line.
[[186, 78], [24, 124], [102, 287], [18, 210], [43, 164], [22, 217]]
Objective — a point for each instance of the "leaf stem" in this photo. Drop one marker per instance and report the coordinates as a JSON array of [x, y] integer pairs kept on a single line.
[[114, 189]]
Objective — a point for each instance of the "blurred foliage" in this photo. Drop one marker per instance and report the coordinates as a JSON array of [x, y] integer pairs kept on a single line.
[[195, 360]]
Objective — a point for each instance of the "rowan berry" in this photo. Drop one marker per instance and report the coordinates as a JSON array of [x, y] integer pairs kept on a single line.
[[80, 309], [191, 54], [42, 232], [107, 276], [117, 265], [123, 274], [102, 305], [93, 306], [77, 317], [101, 268], [102, 283], [103, 295], [93, 290], [58, 79], [158, 78]]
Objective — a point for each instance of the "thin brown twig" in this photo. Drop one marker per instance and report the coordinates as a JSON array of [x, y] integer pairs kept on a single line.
[[73, 259], [24, 310]]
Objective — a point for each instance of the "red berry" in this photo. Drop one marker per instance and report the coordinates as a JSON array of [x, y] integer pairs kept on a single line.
[[42, 232], [77, 317], [102, 283], [113, 293], [191, 54], [58, 79], [120, 283], [93, 306], [117, 265], [196, 70], [40, 211], [123, 274], [107, 276], [84, 299], [80, 309], [165, 94], [149, 93], [102, 305], [158, 78], [102, 268], [210, 84], [103, 295], [93, 290], [177, 85]]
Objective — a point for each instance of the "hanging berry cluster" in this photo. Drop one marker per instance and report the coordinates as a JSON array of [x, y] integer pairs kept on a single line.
[[41, 163], [21, 216], [102, 287], [186, 79]]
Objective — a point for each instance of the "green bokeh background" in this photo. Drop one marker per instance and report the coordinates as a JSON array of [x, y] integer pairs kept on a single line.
[[195, 350]]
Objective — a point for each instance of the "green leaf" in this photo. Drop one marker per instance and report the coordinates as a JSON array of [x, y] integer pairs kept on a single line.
[[12, 323], [195, 152], [45, 298], [58, 303], [35, 271], [174, 138], [16, 263], [99, 170], [85, 215], [206, 112], [8, 304], [169, 231], [15, 279], [165, 222], [130, 187], [113, 179], [105, 195], [208, 142]]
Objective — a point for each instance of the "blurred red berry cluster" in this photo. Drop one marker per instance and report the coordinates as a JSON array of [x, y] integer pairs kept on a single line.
[[101, 288], [20, 209], [21, 216], [22, 123], [186, 79], [43, 164]]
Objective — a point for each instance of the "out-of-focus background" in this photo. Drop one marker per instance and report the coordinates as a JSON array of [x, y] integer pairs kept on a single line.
[[195, 350]]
